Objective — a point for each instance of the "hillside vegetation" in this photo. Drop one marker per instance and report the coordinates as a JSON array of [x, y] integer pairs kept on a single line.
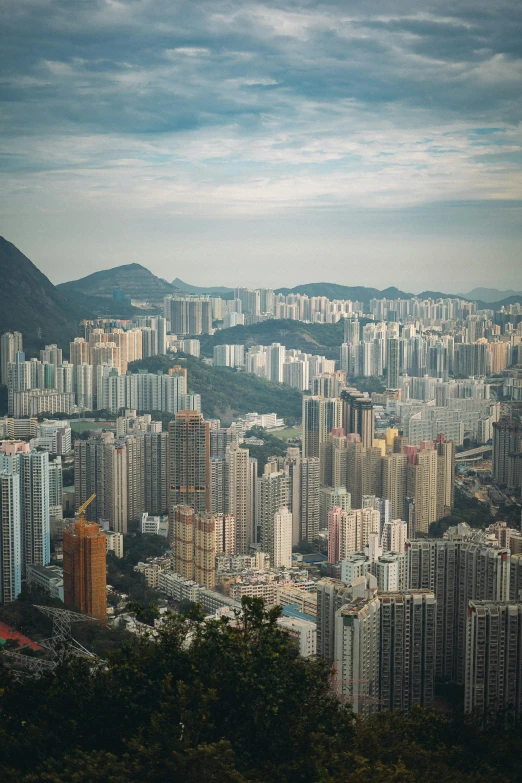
[[320, 339], [227, 394], [226, 702], [29, 302]]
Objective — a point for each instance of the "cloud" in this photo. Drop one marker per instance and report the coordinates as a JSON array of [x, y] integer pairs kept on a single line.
[[260, 109]]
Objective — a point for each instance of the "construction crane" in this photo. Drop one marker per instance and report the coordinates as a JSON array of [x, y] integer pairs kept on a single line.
[[81, 511]]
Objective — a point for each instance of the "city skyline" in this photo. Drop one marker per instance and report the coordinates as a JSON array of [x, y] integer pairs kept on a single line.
[[380, 144]]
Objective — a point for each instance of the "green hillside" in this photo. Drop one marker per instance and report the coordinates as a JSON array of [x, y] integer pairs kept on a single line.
[[227, 394], [321, 339], [31, 304]]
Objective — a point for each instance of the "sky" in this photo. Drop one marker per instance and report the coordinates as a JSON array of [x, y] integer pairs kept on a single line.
[[265, 143]]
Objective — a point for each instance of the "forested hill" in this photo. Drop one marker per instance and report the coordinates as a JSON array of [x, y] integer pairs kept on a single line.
[[321, 339], [31, 304], [226, 393]]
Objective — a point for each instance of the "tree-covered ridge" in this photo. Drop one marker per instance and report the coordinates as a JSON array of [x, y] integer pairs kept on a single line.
[[320, 339], [226, 393], [227, 703]]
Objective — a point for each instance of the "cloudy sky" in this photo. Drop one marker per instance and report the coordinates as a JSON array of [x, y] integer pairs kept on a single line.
[[266, 143]]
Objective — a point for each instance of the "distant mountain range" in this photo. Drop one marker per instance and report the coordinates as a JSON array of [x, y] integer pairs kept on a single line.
[[140, 284], [45, 313], [491, 294]]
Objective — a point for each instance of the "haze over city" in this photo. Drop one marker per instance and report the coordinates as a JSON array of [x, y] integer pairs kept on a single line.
[[378, 144]]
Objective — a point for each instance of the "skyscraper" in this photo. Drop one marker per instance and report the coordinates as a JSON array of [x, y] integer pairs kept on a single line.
[[309, 499], [10, 345], [393, 362], [507, 439], [239, 495], [272, 492], [33, 468], [84, 568], [357, 654], [493, 664], [10, 536], [282, 539], [407, 649], [189, 462]]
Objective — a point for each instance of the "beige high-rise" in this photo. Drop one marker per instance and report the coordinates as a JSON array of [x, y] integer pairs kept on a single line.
[[239, 495]]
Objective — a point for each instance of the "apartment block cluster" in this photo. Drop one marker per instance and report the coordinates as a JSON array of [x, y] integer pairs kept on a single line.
[[96, 377], [454, 612]]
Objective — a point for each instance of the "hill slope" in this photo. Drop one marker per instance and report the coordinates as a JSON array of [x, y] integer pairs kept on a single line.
[[491, 294], [29, 301], [320, 339], [133, 279], [197, 289], [358, 293], [226, 394]]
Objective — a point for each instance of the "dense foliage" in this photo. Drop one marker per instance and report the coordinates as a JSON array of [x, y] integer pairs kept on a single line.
[[466, 509], [227, 704], [272, 447], [120, 571], [321, 339], [226, 393]]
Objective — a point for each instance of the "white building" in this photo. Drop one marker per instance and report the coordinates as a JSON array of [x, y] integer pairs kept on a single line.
[[114, 542], [282, 552]]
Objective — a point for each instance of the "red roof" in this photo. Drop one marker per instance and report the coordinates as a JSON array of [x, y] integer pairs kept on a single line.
[[7, 633]]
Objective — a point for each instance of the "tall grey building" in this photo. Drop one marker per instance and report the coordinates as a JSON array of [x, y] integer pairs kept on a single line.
[[407, 649], [507, 439], [457, 571], [309, 499], [393, 362], [493, 658], [272, 493]]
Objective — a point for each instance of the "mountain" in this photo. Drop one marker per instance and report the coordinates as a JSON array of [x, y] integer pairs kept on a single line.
[[491, 294], [29, 302], [196, 289], [357, 293], [134, 280]]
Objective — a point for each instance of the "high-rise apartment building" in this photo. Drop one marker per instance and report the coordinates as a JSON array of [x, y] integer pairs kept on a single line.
[[84, 569], [358, 415], [281, 555], [33, 469], [407, 644], [457, 571], [10, 536], [309, 499], [393, 362], [356, 661], [205, 550], [155, 472], [189, 462], [239, 491], [10, 344], [493, 659], [507, 440], [394, 477], [79, 351], [422, 486], [272, 494]]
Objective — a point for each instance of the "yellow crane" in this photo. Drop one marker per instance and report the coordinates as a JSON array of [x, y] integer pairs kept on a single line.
[[81, 510]]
